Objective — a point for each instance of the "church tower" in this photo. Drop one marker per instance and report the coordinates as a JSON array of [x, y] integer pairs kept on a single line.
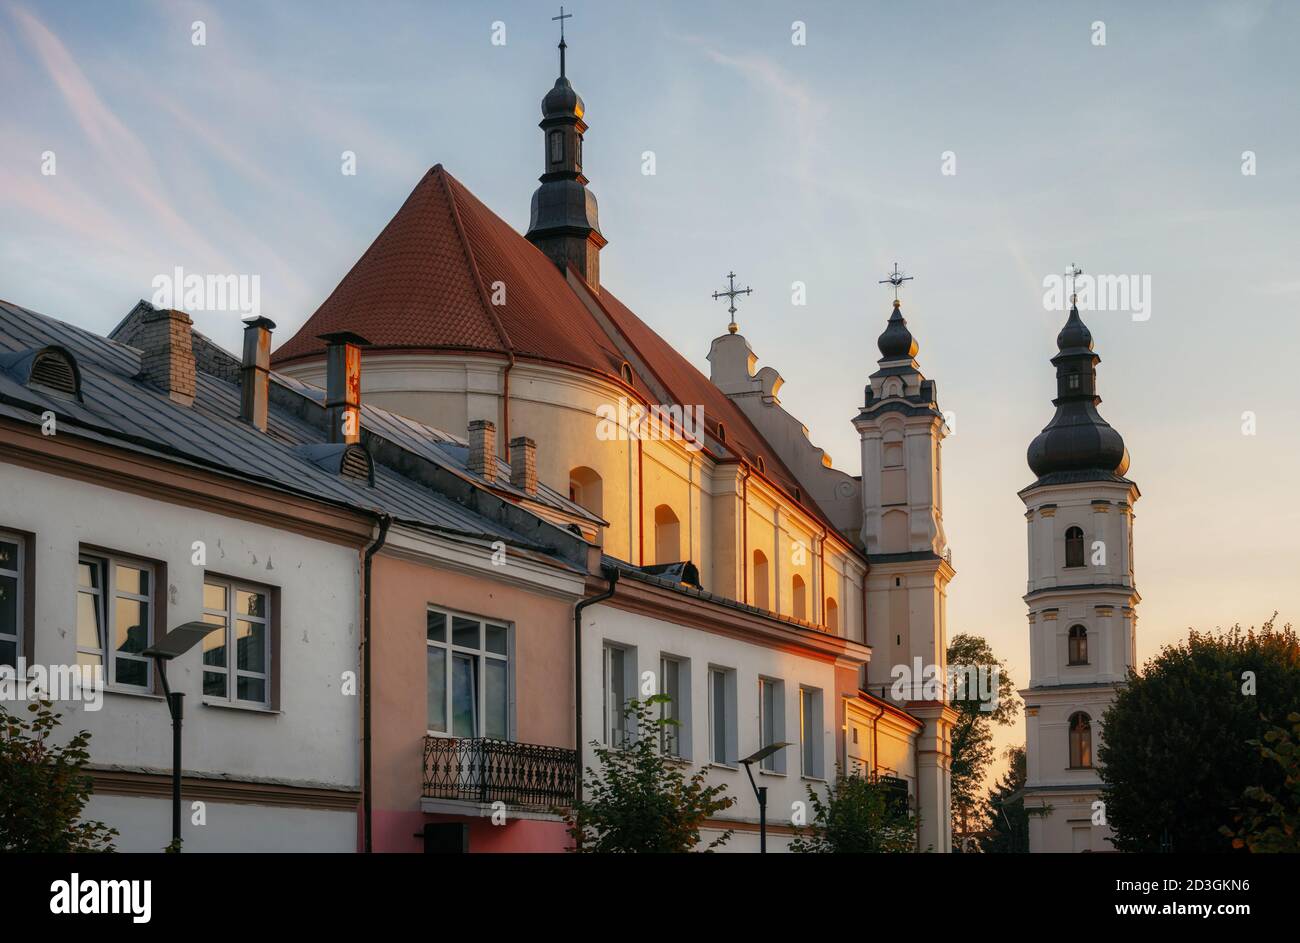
[[902, 430], [1082, 601], [564, 222]]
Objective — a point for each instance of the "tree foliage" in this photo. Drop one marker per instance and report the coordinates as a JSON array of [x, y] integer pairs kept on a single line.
[[859, 814], [638, 800], [972, 734], [1270, 820], [1008, 831], [1176, 755], [44, 786]]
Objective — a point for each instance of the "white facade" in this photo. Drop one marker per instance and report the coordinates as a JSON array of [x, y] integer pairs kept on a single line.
[[304, 743]]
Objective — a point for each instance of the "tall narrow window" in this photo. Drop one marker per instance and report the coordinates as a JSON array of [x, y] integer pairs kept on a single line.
[[668, 535], [675, 684], [811, 745], [11, 602], [618, 675], [556, 139], [1078, 645], [832, 615], [237, 657], [771, 721], [1080, 741], [722, 716], [467, 686], [799, 595], [114, 619], [1074, 547], [760, 579]]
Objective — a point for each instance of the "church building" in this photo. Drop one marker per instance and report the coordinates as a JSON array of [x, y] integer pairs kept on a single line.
[[771, 593], [1082, 601]]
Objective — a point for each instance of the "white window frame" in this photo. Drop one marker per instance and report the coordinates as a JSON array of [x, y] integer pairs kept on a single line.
[[615, 729], [679, 709], [724, 714], [775, 763], [231, 669], [18, 575], [106, 608], [483, 656], [812, 739]]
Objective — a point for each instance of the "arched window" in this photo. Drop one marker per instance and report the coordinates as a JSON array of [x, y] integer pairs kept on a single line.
[[832, 615], [668, 535], [722, 433], [1074, 546], [800, 596], [1078, 645], [1080, 741], [625, 372], [760, 579], [585, 488]]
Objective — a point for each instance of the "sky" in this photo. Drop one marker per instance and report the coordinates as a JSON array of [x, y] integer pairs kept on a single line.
[[821, 163]]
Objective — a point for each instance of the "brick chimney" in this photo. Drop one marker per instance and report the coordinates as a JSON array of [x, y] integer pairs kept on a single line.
[[483, 449], [167, 353], [523, 464], [255, 372], [343, 385]]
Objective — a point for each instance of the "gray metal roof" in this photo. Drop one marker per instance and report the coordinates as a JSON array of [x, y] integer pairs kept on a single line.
[[121, 410]]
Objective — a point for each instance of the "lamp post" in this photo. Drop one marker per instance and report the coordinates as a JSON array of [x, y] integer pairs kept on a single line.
[[761, 791], [176, 642]]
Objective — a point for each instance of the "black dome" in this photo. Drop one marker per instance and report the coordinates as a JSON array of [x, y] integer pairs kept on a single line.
[[562, 100], [897, 341]]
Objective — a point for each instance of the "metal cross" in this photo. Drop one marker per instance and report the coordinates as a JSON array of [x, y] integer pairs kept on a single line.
[[562, 17], [730, 294], [895, 278], [1072, 273]]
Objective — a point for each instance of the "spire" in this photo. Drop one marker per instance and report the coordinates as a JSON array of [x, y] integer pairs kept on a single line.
[[1077, 440], [564, 222]]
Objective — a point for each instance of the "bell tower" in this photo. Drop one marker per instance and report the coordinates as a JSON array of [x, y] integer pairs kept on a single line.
[[564, 221], [1081, 597]]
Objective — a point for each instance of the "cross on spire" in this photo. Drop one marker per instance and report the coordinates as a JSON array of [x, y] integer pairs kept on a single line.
[[895, 278], [730, 294], [563, 45], [1072, 273]]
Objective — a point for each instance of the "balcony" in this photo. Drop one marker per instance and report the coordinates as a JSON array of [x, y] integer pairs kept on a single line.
[[484, 771]]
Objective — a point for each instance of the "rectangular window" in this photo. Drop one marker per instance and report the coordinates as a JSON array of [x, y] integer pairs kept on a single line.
[[11, 598], [811, 742], [115, 619], [771, 722], [468, 675], [237, 656], [675, 682], [618, 677], [722, 716]]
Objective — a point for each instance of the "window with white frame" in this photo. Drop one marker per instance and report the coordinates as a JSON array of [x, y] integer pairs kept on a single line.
[[468, 675], [114, 619], [675, 683], [771, 722], [722, 716], [237, 656], [812, 744], [618, 680], [11, 599]]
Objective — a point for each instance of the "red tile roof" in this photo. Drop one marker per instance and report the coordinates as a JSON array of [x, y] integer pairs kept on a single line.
[[426, 283]]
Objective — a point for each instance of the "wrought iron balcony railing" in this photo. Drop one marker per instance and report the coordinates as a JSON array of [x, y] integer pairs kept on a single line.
[[526, 775]]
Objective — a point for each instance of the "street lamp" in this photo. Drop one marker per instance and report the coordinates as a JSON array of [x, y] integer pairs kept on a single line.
[[175, 643], [761, 791]]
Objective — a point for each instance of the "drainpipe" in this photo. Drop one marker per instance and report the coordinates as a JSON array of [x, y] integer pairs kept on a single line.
[[385, 521], [505, 406], [611, 574], [744, 535]]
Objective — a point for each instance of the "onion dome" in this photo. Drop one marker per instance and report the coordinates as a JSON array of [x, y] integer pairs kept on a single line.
[[1077, 440], [897, 342], [562, 101]]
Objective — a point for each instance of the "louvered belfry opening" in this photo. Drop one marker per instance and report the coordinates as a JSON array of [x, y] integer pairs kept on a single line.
[[54, 371]]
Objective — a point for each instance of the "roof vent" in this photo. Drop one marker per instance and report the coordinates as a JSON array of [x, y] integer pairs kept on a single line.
[[52, 368], [358, 464], [346, 459]]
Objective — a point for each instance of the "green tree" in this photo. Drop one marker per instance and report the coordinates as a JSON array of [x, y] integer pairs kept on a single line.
[[858, 814], [1270, 821], [639, 800], [1008, 831], [1176, 755], [44, 786], [972, 734]]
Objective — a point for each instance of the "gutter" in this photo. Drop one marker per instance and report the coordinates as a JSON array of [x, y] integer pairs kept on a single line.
[[385, 521], [611, 574]]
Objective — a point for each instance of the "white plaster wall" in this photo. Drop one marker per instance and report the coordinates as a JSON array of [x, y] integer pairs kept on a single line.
[[145, 824]]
